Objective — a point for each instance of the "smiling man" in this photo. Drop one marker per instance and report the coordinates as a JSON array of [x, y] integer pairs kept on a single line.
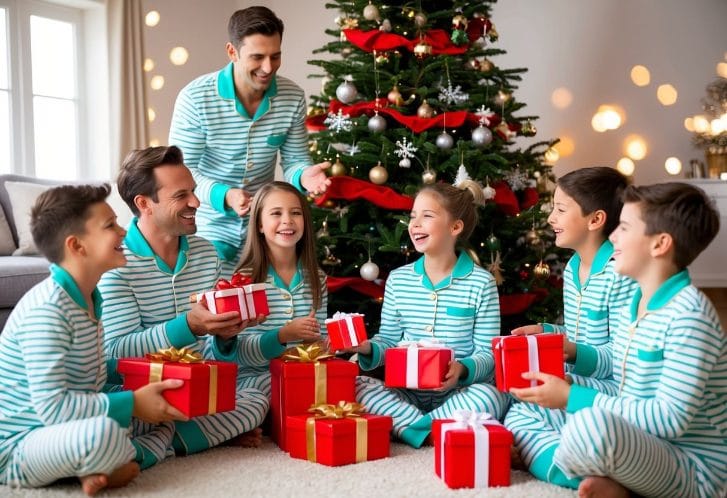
[[232, 124]]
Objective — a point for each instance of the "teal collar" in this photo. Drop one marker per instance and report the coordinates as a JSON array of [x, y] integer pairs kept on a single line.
[[462, 268], [603, 255], [68, 284], [136, 243], [294, 283], [226, 89], [663, 295]]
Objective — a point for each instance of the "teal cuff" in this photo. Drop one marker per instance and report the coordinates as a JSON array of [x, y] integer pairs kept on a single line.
[[144, 457], [217, 199], [225, 349], [295, 180], [417, 433], [586, 360], [373, 360], [189, 438], [112, 374], [580, 397], [226, 252], [121, 405], [471, 367], [548, 328], [270, 345], [179, 333]]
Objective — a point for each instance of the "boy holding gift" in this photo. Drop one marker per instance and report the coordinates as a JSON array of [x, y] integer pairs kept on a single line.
[[146, 303], [55, 421], [667, 398]]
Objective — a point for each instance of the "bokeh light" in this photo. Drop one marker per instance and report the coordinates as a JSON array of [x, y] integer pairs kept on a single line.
[[673, 165], [152, 18], [722, 69], [566, 146], [635, 147], [151, 114], [148, 64], [179, 56], [626, 166], [666, 94], [157, 82], [561, 98], [640, 75]]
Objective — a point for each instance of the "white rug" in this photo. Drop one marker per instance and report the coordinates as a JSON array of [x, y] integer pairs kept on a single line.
[[267, 471]]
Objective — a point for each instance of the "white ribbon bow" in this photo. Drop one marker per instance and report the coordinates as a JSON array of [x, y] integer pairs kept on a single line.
[[412, 358], [465, 419], [348, 318]]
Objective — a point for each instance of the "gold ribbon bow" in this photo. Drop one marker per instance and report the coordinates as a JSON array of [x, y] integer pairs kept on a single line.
[[308, 353], [344, 409], [183, 355]]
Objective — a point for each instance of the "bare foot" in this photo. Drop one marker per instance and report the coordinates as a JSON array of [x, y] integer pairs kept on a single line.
[[516, 462], [93, 483], [601, 487], [251, 439]]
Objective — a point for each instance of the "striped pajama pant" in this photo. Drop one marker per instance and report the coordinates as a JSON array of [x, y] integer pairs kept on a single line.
[[563, 448]]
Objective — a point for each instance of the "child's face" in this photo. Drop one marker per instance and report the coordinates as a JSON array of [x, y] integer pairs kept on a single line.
[[630, 242], [568, 222], [281, 220], [431, 227], [175, 210], [102, 239]]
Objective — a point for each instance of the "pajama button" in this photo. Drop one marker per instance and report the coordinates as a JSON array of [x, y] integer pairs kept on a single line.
[[249, 165], [433, 296], [284, 295], [428, 328], [245, 181], [289, 311]]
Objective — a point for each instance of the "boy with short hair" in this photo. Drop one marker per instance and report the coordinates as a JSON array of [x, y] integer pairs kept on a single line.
[[55, 421], [663, 432]]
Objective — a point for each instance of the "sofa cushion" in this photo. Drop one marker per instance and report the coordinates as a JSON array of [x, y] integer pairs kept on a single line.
[[7, 244], [17, 275], [22, 197]]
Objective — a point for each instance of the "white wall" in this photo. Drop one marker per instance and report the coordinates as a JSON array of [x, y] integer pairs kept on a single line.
[[588, 46]]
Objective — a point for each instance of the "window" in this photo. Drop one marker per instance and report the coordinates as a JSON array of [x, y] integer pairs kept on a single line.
[[44, 103]]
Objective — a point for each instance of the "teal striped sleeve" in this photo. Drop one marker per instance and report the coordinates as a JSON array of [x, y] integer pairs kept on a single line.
[[551, 328], [294, 156], [481, 364], [390, 331]]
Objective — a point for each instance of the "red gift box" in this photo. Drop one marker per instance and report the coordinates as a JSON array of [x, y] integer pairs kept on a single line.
[[346, 330], [298, 384], [472, 451], [517, 354], [339, 440], [237, 294], [414, 366], [209, 386]]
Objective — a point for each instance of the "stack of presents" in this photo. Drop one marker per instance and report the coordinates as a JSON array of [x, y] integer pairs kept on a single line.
[[313, 411]]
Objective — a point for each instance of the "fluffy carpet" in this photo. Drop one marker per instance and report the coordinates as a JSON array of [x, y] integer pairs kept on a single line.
[[267, 471]]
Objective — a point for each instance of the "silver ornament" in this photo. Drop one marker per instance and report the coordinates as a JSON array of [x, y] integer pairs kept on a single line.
[[377, 123], [420, 19], [371, 12], [489, 192], [481, 136], [369, 271], [445, 141], [346, 92], [405, 163], [429, 176], [385, 26]]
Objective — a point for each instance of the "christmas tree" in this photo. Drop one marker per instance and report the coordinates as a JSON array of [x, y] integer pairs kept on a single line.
[[411, 94]]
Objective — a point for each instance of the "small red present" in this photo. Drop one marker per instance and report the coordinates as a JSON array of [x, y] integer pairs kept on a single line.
[[346, 330], [338, 435], [417, 365], [472, 451], [209, 386], [307, 376], [237, 294], [517, 354]]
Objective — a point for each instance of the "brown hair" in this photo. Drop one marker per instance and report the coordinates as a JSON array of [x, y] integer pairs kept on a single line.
[[597, 188], [681, 210], [460, 202], [60, 212], [255, 20], [136, 176], [255, 259]]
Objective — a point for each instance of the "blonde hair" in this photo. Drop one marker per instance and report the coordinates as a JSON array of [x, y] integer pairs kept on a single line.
[[255, 259], [460, 202]]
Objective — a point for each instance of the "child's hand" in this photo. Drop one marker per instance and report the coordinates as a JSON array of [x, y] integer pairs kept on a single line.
[[528, 330], [303, 328], [553, 393], [455, 372], [363, 348], [201, 321], [569, 350], [150, 406], [238, 200]]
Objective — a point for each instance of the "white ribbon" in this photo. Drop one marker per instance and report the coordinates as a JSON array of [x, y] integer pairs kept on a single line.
[[348, 318], [465, 419], [412, 358], [533, 358]]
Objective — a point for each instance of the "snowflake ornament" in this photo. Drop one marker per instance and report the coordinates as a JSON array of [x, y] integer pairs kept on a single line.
[[405, 149], [484, 113], [339, 122], [516, 179], [462, 176], [452, 96]]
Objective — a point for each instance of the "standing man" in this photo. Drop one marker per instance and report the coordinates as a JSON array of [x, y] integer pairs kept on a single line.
[[231, 124]]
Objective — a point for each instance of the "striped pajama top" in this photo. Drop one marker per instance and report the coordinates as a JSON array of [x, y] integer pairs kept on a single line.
[[462, 311], [226, 148]]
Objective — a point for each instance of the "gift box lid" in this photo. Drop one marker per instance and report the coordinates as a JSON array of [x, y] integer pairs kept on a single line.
[[513, 342], [184, 371], [335, 367], [226, 292], [464, 437], [254, 287], [339, 426], [338, 316]]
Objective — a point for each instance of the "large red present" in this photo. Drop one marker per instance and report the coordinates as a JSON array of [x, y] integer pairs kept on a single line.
[[417, 365], [308, 376], [338, 435], [472, 451], [346, 330], [237, 294], [209, 386], [517, 354]]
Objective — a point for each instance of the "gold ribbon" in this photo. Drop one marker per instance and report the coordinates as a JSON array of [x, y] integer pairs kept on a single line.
[[344, 409], [183, 355], [313, 353]]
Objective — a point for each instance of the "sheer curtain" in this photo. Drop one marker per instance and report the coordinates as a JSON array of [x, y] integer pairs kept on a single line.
[[129, 127]]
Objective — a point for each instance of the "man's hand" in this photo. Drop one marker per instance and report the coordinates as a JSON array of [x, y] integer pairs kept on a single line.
[[528, 330], [314, 178], [238, 200], [303, 328], [456, 371], [225, 325], [553, 393], [150, 406]]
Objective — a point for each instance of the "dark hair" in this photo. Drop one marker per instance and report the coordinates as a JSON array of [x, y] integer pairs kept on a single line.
[[136, 176], [460, 202], [681, 210], [60, 212], [597, 188], [255, 259], [256, 20]]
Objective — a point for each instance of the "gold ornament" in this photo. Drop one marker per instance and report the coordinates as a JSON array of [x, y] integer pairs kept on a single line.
[[459, 22], [338, 168], [425, 110], [486, 65], [313, 146], [378, 174], [429, 176], [422, 49], [395, 97], [502, 97], [495, 269], [541, 270], [420, 19], [329, 204], [528, 129]]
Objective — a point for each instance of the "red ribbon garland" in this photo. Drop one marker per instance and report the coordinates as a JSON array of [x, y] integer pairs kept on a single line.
[[381, 41], [349, 189]]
